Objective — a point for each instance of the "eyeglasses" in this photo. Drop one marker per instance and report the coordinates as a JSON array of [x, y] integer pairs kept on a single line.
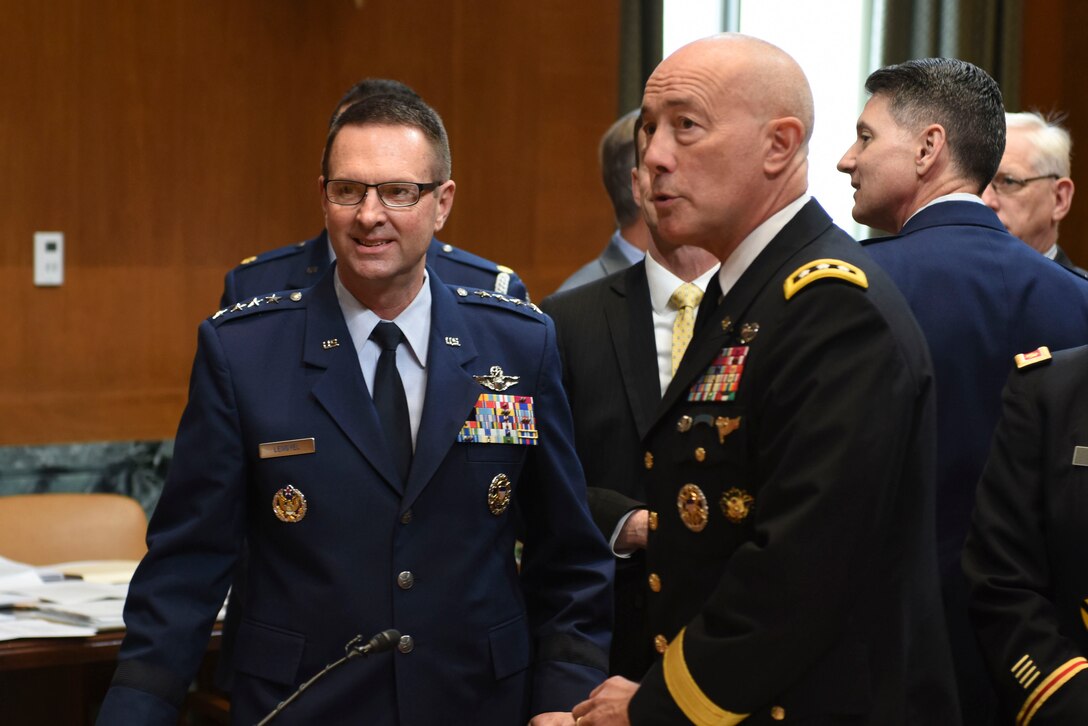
[[392, 194], [1004, 184]]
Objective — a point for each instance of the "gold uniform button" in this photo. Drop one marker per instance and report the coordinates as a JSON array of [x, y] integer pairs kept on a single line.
[[778, 713], [653, 521], [660, 644], [655, 582], [648, 460], [700, 454]]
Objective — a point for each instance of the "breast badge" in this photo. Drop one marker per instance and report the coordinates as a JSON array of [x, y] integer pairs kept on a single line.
[[726, 425], [499, 494], [289, 505], [692, 506], [720, 381], [737, 505], [496, 380], [501, 419]]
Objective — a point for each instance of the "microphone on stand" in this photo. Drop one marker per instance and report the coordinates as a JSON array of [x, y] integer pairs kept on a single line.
[[381, 642]]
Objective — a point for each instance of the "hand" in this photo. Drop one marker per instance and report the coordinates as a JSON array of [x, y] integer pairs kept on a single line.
[[607, 704], [552, 718], [635, 532]]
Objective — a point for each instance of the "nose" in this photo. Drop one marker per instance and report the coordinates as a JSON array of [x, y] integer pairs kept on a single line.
[[846, 163], [370, 212], [658, 156], [990, 199]]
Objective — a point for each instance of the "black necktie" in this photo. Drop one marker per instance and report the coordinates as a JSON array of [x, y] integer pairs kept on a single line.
[[389, 397]]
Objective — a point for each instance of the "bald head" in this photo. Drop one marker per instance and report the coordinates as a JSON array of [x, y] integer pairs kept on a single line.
[[726, 124], [746, 71]]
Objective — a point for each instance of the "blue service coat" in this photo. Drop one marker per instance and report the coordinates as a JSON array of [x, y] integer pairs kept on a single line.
[[980, 296], [488, 645], [300, 265]]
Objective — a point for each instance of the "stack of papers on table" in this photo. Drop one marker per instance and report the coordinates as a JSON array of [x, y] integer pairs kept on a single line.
[[90, 597]]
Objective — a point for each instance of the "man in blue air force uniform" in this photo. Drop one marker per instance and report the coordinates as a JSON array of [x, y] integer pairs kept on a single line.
[[300, 265], [375, 494]]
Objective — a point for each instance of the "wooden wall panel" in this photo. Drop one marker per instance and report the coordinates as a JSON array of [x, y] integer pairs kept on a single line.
[[169, 140], [1054, 56]]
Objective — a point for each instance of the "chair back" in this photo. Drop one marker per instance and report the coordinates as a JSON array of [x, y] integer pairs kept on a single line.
[[44, 529]]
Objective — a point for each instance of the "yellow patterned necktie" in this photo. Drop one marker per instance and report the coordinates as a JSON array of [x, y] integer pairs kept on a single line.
[[686, 298]]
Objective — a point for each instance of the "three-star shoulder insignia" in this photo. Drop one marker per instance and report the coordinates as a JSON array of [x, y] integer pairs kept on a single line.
[[512, 303], [269, 302], [1035, 357], [823, 269]]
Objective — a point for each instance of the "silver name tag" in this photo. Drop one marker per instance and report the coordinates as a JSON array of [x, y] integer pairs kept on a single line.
[[291, 447]]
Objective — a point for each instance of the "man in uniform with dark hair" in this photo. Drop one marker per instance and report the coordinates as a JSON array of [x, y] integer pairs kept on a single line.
[[300, 265], [379, 441], [928, 143]]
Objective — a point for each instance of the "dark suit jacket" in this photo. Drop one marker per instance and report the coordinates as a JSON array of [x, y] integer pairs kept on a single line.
[[489, 645], [980, 296], [300, 265], [809, 592], [1025, 555], [1063, 259], [610, 261], [606, 345]]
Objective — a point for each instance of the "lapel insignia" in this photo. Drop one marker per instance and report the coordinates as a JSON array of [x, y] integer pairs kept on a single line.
[[501, 419], [737, 505], [727, 324], [499, 494], [691, 504], [496, 380], [455, 342], [1080, 456], [719, 382], [648, 460], [726, 425], [748, 332], [289, 505], [311, 269], [330, 343]]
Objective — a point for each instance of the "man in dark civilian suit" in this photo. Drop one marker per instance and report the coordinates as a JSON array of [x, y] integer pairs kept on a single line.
[[1032, 192], [379, 441], [300, 265], [629, 241], [928, 142], [792, 572], [1026, 552], [616, 345]]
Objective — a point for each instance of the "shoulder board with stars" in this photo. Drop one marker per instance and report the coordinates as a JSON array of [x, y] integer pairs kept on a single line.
[[496, 299], [275, 254], [1036, 357], [823, 269], [261, 303]]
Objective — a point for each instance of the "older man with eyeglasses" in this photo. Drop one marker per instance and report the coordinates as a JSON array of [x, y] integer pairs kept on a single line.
[[1032, 191]]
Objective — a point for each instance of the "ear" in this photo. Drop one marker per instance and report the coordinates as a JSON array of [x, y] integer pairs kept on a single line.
[[445, 203], [1063, 198], [785, 136], [931, 142], [321, 193], [634, 187]]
